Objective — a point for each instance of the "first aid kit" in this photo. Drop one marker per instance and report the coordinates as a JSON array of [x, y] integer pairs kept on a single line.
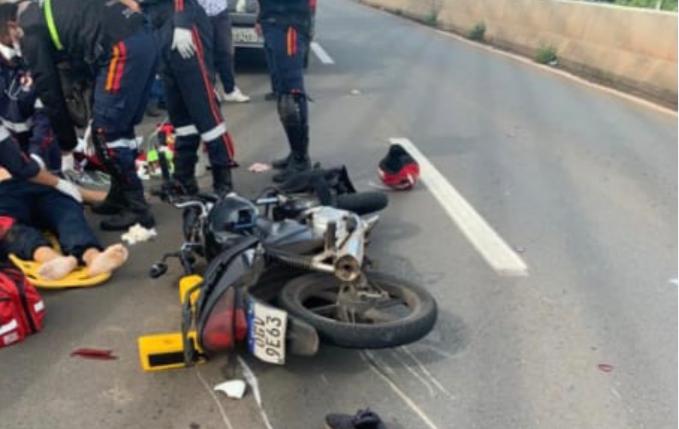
[[22, 310]]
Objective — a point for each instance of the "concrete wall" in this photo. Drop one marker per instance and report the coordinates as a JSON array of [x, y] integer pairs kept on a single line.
[[631, 49]]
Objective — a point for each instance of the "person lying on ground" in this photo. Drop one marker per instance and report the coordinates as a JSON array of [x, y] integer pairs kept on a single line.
[[37, 200]]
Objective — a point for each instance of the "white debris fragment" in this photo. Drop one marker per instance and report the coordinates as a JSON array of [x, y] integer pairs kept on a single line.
[[355, 92], [138, 234], [259, 167], [234, 389]]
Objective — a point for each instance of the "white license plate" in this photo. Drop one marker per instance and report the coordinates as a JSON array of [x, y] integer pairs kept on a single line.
[[266, 332], [245, 35]]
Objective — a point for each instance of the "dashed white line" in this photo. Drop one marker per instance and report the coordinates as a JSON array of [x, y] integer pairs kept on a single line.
[[321, 54], [480, 234]]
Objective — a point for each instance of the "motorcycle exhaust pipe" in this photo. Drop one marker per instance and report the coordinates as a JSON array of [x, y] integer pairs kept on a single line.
[[349, 259]]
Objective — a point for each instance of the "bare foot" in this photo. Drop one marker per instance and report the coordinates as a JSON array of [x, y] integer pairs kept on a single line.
[[58, 268], [107, 261]]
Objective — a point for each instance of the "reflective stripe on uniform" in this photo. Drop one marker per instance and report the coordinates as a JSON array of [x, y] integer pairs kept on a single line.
[[214, 133], [4, 134], [122, 143], [187, 130], [51, 26], [17, 127], [39, 160]]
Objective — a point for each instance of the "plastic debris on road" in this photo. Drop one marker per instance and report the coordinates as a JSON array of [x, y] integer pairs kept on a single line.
[[259, 167], [96, 354], [234, 389], [605, 367], [355, 92], [138, 234]]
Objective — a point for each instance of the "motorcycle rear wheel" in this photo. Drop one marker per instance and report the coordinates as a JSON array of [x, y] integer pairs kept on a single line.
[[406, 315]]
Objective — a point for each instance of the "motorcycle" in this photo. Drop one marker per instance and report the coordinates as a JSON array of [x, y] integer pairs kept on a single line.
[[285, 271]]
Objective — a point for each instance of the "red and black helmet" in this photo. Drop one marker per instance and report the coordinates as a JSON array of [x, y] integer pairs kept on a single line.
[[398, 169]]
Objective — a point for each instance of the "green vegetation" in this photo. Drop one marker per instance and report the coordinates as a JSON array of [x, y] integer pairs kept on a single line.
[[546, 55], [432, 18], [478, 32], [652, 4]]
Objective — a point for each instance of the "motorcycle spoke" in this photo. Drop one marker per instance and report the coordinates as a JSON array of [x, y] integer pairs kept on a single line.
[[378, 316], [327, 296], [388, 303], [325, 309]]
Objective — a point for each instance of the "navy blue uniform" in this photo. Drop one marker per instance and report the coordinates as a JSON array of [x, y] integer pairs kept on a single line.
[[121, 55], [23, 115], [36, 208], [286, 27], [189, 91]]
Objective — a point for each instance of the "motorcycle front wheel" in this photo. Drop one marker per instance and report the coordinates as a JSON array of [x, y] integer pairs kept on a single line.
[[384, 312]]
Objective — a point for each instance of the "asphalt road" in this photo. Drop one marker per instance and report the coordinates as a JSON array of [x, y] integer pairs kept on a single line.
[[580, 183]]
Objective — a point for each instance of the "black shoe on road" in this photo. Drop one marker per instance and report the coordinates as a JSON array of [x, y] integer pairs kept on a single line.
[[363, 419], [126, 219], [113, 204], [295, 166], [281, 163], [107, 208]]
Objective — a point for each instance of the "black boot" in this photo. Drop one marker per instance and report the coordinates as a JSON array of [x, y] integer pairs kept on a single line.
[[185, 175], [292, 110], [281, 163], [114, 202], [299, 163], [221, 180], [136, 212]]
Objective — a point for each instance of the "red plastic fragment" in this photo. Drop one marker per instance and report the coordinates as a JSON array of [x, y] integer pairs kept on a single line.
[[99, 354]]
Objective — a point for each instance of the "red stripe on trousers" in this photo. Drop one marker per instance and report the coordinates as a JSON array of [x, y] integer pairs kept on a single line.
[[226, 138], [121, 67]]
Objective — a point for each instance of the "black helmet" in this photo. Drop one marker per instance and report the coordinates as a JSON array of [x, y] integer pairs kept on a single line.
[[231, 215]]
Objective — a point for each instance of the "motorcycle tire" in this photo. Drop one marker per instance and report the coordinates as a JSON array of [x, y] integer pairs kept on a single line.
[[386, 334]]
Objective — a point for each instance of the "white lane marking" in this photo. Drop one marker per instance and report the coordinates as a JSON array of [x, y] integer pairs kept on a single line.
[[415, 374], [674, 282], [487, 242], [251, 378], [413, 406], [428, 374], [321, 54], [225, 418]]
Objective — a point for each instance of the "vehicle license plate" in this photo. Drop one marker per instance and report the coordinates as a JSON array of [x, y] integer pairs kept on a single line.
[[245, 35], [266, 332]]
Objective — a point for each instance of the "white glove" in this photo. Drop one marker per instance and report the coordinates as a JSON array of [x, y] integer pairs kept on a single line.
[[68, 188], [182, 41]]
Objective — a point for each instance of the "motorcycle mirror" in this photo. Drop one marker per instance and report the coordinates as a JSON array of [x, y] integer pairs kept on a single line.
[[157, 270]]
